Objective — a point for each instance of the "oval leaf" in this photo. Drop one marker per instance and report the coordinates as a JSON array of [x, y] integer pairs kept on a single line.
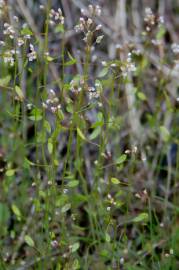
[[29, 241], [165, 133], [16, 211], [115, 181], [73, 183], [19, 92], [50, 147], [66, 207], [143, 217], [80, 134], [75, 247], [103, 72], [121, 159], [5, 81], [10, 172]]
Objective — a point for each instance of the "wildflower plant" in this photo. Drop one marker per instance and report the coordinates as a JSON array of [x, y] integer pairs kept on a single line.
[[88, 138]]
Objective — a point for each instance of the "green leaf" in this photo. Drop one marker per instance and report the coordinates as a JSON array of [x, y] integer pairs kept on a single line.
[[70, 63], [69, 108], [4, 214], [26, 31], [19, 92], [161, 33], [36, 115], [29, 241], [100, 117], [75, 247], [95, 133], [76, 265], [73, 183], [61, 200], [41, 137], [99, 38], [121, 159], [47, 126], [100, 121], [50, 146], [80, 134], [98, 85], [165, 133], [103, 72], [107, 237], [16, 211], [141, 96], [59, 28], [115, 181], [5, 81], [49, 58], [78, 198], [29, 162], [66, 207], [10, 172], [42, 194], [143, 217], [72, 60]]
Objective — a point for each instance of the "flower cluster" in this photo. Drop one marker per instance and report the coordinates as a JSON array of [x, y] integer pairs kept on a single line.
[[9, 57], [92, 11], [111, 201], [93, 93], [175, 48], [76, 86], [32, 55], [9, 30], [20, 42], [56, 17], [28, 36], [151, 20], [87, 25], [136, 52], [52, 102], [128, 67], [42, 7]]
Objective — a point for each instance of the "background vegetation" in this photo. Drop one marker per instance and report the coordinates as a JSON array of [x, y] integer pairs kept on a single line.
[[89, 134]]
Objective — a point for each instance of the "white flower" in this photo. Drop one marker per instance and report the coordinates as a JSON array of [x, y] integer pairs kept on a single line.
[[93, 93], [98, 10], [9, 30], [32, 55], [27, 36], [2, 43], [113, 65], [20, 42], [99, 38], [104, 63], [175, 48], [56, 16], [41, 7], [16, 18], [98, 27], [8, 58]]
